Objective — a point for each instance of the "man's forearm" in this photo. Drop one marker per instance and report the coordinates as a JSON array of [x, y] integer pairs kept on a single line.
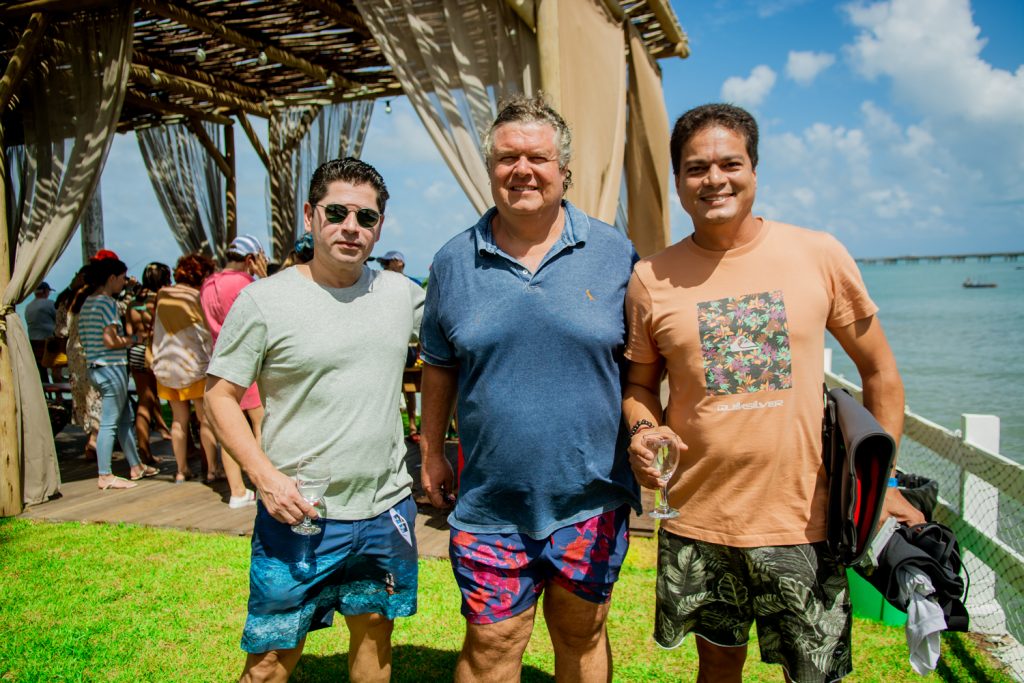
[[232, 430], [884, 398], [439, 389]]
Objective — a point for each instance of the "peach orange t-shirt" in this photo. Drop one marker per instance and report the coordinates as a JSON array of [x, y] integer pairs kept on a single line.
[[742, 333]]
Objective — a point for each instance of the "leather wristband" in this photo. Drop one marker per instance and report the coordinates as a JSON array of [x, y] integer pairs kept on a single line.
[[639, 426]]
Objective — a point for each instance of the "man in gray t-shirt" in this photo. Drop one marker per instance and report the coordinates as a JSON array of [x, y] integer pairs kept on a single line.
[[326, 343]]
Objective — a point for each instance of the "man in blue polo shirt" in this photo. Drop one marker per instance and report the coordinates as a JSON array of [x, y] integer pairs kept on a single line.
[[524, 326]]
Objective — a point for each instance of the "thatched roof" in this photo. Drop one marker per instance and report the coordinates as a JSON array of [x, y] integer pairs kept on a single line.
[[210, 58]]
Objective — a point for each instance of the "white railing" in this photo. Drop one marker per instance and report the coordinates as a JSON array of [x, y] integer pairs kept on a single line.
[[981, 498]]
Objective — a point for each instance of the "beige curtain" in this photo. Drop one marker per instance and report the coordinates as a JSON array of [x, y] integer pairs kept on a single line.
[[455, 59], [648, 165], [302, 138], [188, 184], [68, 107], [592, 74]]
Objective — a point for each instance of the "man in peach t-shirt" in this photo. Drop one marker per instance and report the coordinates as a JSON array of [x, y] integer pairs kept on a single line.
[[735, 314]]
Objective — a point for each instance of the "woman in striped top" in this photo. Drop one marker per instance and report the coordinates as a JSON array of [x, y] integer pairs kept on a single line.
[[104, 343]]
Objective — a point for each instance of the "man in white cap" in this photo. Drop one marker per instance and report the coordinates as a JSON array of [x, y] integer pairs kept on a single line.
[[245, 262], [395, 262], [41, 319]]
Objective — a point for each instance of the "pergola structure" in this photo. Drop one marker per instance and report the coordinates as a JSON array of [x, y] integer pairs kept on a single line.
[[205, 65]]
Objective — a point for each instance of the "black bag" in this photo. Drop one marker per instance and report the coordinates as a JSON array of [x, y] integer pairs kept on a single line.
[[858, 457], [932, 549]]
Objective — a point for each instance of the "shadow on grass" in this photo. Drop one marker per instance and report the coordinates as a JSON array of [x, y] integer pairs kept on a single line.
[[410, 664], [957, 663]]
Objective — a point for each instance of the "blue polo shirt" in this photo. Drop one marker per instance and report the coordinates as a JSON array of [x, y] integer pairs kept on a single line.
[[541, 371]]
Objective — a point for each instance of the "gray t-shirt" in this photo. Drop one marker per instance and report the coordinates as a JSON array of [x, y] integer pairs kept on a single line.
[[329, 366], [41, 318]]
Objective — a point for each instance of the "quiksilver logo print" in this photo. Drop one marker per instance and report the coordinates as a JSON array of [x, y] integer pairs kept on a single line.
[[745, 344]]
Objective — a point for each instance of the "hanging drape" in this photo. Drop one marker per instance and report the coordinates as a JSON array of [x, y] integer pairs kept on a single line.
[[647, 153], [592, 74], [455, 59], [188, 184], [68, 107], [302, 138]]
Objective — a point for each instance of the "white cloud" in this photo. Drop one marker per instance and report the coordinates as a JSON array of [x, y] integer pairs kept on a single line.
[[750, 91], [931, 51], [804, 67]]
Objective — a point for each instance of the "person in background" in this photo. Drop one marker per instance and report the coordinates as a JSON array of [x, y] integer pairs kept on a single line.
[[86, 403], [181, 346], [524, 326], [139, 322], [41, 320], [736, 315], [245, 262], [104, 343], [395, 262]]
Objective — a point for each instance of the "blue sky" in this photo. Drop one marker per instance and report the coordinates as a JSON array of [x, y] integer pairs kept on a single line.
[[896, 125]]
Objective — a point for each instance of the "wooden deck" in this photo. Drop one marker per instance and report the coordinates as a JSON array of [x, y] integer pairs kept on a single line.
[[197, 506]]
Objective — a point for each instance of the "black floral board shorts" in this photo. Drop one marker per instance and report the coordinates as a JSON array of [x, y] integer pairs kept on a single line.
[[797, 595]]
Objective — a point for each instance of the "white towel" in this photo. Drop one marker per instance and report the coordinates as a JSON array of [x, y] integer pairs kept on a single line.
[[925, 621]]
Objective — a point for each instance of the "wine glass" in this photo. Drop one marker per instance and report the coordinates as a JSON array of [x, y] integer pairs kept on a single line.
[[666, 457], [313, 476]]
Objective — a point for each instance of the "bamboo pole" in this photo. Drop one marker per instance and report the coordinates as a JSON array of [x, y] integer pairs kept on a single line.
[[231, 194], [181, 15], [210, 146], [23, 53], [547, 47], [254, 139], [10, 449], [142, 74]]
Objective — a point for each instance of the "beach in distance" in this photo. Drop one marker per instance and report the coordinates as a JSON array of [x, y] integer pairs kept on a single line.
[[958, 349]]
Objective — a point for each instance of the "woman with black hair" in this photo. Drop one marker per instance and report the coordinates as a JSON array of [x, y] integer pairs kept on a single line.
[[104, 342]]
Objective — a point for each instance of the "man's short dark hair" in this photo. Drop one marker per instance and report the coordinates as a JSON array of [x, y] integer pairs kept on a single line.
[[705, 116], [349, 170]]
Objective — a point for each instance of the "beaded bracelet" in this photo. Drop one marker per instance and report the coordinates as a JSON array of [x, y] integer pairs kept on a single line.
[[639, 425]]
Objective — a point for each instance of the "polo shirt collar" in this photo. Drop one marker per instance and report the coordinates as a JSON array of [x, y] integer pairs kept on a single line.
[[575, 231]]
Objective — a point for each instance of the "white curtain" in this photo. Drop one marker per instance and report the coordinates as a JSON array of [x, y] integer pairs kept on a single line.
[[188, 185], [67, 109], [301, 139], [455, 59]]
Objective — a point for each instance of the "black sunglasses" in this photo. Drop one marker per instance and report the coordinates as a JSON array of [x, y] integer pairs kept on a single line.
[[336, 213]]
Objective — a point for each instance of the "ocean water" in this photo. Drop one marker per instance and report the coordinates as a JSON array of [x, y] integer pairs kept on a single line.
[[959, 350]]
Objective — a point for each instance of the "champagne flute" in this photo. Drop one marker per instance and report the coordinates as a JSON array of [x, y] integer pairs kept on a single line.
[[313, 476], [666, 457]]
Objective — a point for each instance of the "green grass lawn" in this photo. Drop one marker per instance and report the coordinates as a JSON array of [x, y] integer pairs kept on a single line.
[[90, 602]]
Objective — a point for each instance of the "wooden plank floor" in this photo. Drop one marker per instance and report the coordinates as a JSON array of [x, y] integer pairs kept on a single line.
[[198, 506]]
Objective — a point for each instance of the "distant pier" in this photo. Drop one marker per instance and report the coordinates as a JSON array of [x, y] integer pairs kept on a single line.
[[950, 258]]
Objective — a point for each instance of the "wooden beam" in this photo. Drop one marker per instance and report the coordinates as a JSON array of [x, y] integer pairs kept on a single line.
[[671, 28], [210, 146], [142, 74], [527, 11], [254, 139], [29, 6], [339, 14], [139, 99], [168, 10], [199, 76], [11, 495], [230, 187], [23, 53], [547, 48]]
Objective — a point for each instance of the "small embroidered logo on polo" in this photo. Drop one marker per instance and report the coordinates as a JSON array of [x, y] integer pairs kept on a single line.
[[590, 296], [401, 525]]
